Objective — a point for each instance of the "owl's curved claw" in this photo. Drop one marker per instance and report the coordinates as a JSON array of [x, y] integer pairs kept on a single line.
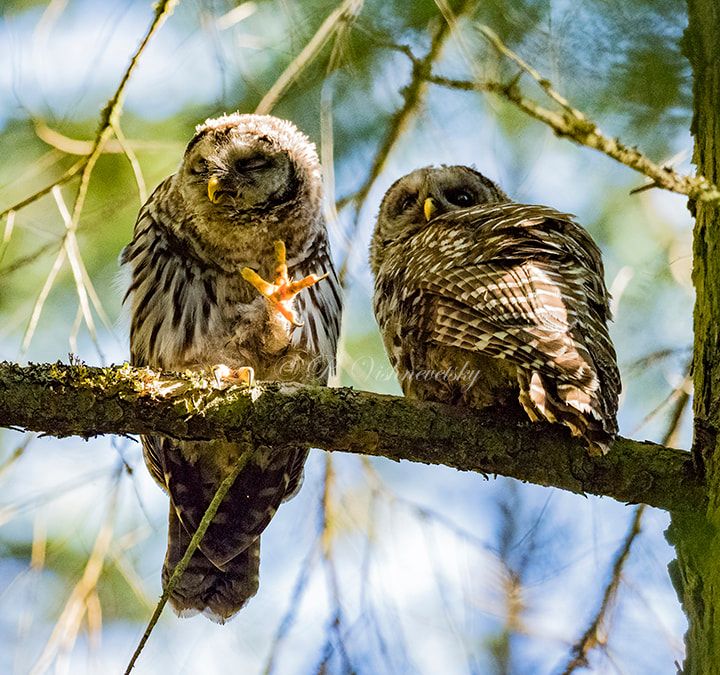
[[226, 376], [281, 292]]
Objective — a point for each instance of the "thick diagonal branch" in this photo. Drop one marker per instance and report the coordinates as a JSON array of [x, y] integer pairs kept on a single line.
[[63, 400]]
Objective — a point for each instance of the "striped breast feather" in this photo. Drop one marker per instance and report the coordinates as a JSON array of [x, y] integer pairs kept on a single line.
[[172, 295]]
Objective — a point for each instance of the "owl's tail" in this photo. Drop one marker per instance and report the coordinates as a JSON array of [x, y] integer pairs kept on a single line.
[[219, 593]]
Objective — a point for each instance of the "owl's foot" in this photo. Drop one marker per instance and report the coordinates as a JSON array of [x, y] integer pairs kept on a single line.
[[281, 292], [226, 376]]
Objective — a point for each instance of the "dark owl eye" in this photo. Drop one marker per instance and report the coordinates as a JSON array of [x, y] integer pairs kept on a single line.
[[252, 163], [459, 197], [407, 202], [199, 167]]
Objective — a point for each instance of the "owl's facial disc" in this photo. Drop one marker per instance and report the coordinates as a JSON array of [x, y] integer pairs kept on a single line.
[[249, 176], [238, 173]]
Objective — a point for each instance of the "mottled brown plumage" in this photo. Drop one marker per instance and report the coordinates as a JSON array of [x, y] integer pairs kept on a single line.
[[245, 182], [484, 302]]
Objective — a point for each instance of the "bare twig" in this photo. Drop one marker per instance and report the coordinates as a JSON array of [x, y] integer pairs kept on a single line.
[[75, 146], [134, 163], [412, 98], [575, 125], [180, 568], [28, 259], [109, 117], [591, 638], [70, 250], [334, 25]]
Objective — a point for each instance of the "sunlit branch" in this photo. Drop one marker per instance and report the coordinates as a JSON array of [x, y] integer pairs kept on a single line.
[[66, 400], [569, 122]]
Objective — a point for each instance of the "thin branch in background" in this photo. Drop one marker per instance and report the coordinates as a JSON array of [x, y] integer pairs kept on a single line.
[[26, 260], [73, 255], [68, 625], [75, 330], [75, 146], [399, 649], [10, 511], [421, 511], [109, 117], [109, 121], [17, 453], [125, 566], [42, 297], [296, 596], [337, 22], [412, 94], [575, 125], [134, 163], [38, 555], [7, 234], [592, 638], [644, 362], [679, 396], [327, 526], [180, 568], [67, 175]]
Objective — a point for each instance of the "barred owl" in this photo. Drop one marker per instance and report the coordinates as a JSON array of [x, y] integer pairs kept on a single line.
[[247, 194], [482, 301]]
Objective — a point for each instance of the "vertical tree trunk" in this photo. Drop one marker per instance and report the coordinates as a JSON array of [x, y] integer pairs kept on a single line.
[[696, 572]]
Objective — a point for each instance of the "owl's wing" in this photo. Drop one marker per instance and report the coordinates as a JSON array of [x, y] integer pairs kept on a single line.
[[320, 308], [528, 288]]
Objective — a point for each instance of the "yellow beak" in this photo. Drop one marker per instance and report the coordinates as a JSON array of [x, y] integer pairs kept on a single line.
[[213, 188], [429, 207]]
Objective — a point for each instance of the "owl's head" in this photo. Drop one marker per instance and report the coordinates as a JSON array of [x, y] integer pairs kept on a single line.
[[419, 197], [245, 172]]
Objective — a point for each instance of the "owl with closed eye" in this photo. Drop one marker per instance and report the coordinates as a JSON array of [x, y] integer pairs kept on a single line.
[[245, 205], [485, 302]]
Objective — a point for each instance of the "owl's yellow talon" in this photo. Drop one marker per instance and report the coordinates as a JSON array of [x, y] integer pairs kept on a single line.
[[226, 376], [282, 290]]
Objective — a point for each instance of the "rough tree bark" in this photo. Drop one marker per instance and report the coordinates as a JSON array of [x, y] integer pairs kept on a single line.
[[80, 400], [696, 572]]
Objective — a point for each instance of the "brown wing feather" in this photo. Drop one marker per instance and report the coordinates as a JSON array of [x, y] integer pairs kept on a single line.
[[525, 284]]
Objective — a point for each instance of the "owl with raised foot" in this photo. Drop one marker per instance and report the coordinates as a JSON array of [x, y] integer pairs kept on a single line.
[[231, 274]]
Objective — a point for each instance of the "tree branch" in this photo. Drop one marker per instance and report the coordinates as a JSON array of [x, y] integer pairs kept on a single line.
[[62, 400], [569, 122]]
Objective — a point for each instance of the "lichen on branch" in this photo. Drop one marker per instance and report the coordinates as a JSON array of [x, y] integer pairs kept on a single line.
[[63, 400]]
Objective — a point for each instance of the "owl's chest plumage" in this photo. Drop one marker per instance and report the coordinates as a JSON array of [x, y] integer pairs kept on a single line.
[[191, 313]]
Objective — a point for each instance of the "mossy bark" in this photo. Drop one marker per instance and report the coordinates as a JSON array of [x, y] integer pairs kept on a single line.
[[79, 400], [696, 573]]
